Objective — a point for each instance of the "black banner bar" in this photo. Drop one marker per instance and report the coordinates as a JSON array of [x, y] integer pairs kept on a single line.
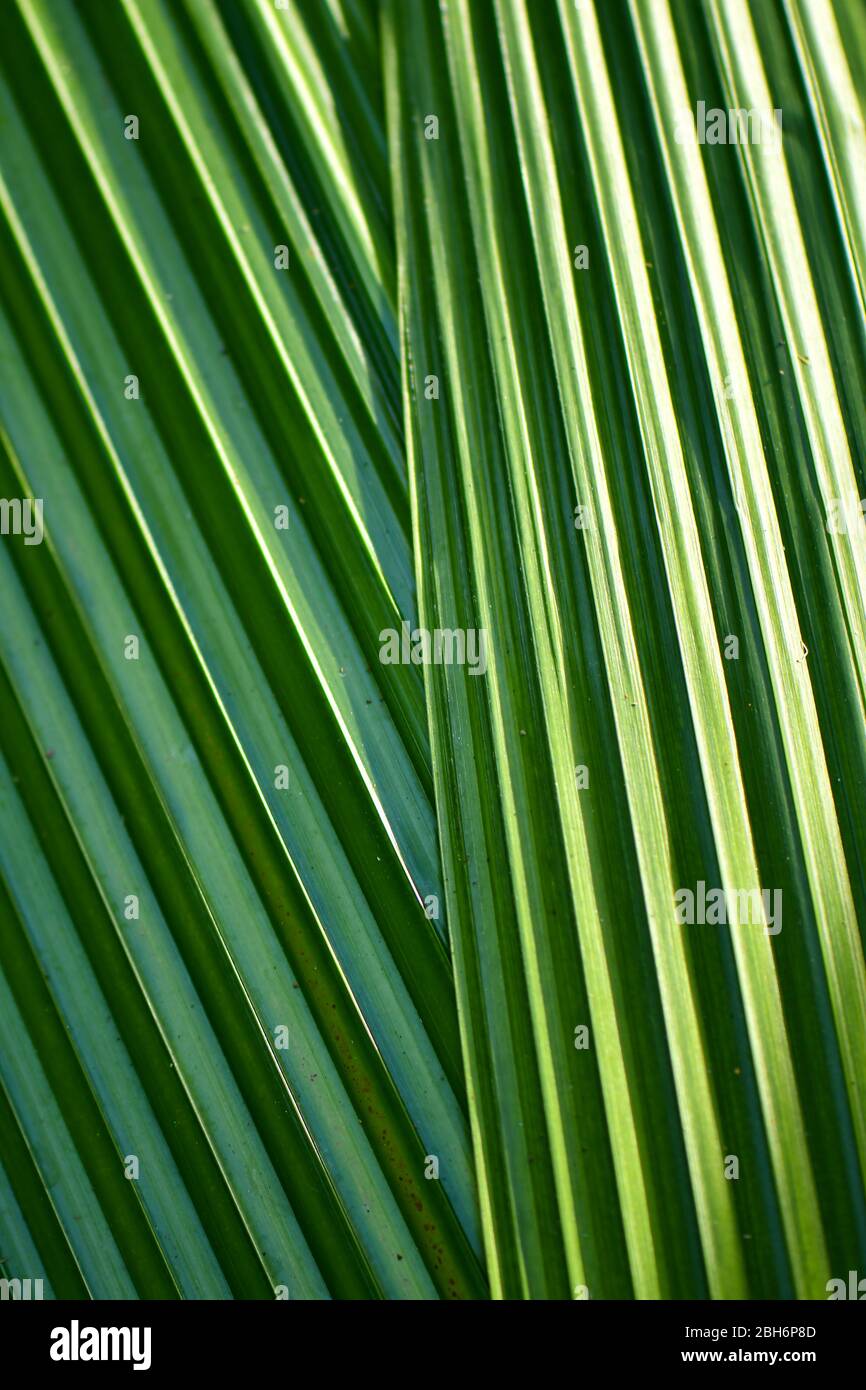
[[82, 1339]]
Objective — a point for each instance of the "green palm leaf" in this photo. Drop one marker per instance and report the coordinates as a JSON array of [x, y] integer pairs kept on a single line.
[[498, 200], [259, 912], [323, 976]]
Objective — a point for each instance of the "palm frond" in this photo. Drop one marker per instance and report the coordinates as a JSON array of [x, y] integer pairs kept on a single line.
[[260, 906], [627, 391], [325, 976]]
